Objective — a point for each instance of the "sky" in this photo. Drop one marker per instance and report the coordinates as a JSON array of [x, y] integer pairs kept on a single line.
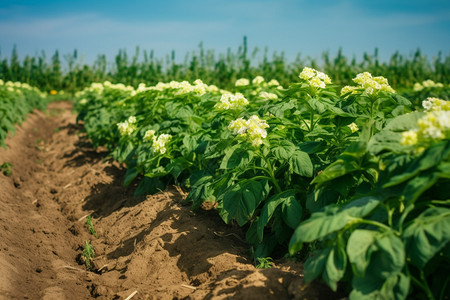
[[291, 26]]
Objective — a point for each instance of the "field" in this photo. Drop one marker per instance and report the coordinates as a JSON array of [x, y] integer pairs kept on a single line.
[[219, 178]]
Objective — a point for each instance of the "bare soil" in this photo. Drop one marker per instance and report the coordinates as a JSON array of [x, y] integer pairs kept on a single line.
[[149, 247]]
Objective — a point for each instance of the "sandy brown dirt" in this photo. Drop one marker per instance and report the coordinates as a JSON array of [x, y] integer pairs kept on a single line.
[[151, 247]]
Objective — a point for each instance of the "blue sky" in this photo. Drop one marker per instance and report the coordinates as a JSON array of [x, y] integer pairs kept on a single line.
[[303, 26]]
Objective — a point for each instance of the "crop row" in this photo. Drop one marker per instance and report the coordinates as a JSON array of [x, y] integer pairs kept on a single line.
[[353, 180], [17, 100]]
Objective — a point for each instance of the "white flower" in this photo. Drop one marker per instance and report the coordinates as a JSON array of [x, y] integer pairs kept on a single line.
[[435, 104], [266, 95], [273, 82], [253, 128], [258, 80], [409, 138], [148, 136], [132, 119], [242, 82], [126, 128], [230, 101], [353, 127], [315, 78], [159, 144]]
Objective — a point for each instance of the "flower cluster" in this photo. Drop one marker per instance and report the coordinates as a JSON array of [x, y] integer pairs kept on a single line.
[[266, 95], [127, 127], [242, 82], [435, 125], [253, 128], [435, 104], [159, 143], [258, 80], [315, 78], [231, 101], [427, 84], [371, 85], [182, 87], [353, 127], [273, 82], [17, 86]]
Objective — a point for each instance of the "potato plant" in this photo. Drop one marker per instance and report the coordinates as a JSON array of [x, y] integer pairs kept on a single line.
[[353, 179]]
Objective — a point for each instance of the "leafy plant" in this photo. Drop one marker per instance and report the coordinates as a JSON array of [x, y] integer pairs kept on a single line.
[[264, 262], [346, 178], [88, 254], [6, 167], [90, 226]]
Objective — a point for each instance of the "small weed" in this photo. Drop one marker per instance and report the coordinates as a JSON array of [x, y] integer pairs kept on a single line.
[[264, 262], [88, 254], [57, 129], [90, 226], [38, 161], [7, 168]]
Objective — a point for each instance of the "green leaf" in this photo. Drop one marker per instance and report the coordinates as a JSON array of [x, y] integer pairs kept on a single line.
[[347, 162], [130, 175], [382, 261], [177, 166], [241, 200], [432, 157], [283, 149], [200, 191], [269, 208], [427, 235], [320, 224], [312, 146], [279, 109], [292, 212], [358, 249], [236, 157], [190, 143], [315, 264], [389, 137], [317, 105], [301, 164], [395, 287], [335, 267], [149, 186]]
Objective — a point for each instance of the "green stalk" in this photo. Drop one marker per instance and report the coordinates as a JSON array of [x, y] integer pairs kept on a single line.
[[425, 285]]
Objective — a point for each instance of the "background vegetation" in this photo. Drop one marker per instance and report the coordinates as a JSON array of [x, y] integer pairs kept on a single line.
[[68, 72]]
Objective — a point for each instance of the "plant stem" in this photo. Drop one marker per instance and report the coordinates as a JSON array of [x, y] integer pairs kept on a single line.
[[375, 223], [425, 286]]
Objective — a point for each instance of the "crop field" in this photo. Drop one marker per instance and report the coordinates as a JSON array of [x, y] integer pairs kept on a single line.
[[221, 178]]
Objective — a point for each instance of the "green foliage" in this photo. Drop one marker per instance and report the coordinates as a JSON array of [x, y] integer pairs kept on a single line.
[[90, 226], [70, 73], [17, 100], [301, 169], [88, 254], [6, 167], [264, 262]]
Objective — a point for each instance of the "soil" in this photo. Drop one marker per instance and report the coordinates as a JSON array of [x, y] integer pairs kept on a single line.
[[151, 247]]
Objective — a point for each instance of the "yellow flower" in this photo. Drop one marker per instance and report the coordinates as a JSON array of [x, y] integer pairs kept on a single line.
[[230, 101], [53, 92], [409, 138], [149, 135], [254, 129], [159, 144], [242, 82], [353, 127], [315, 78], [258, 80]]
